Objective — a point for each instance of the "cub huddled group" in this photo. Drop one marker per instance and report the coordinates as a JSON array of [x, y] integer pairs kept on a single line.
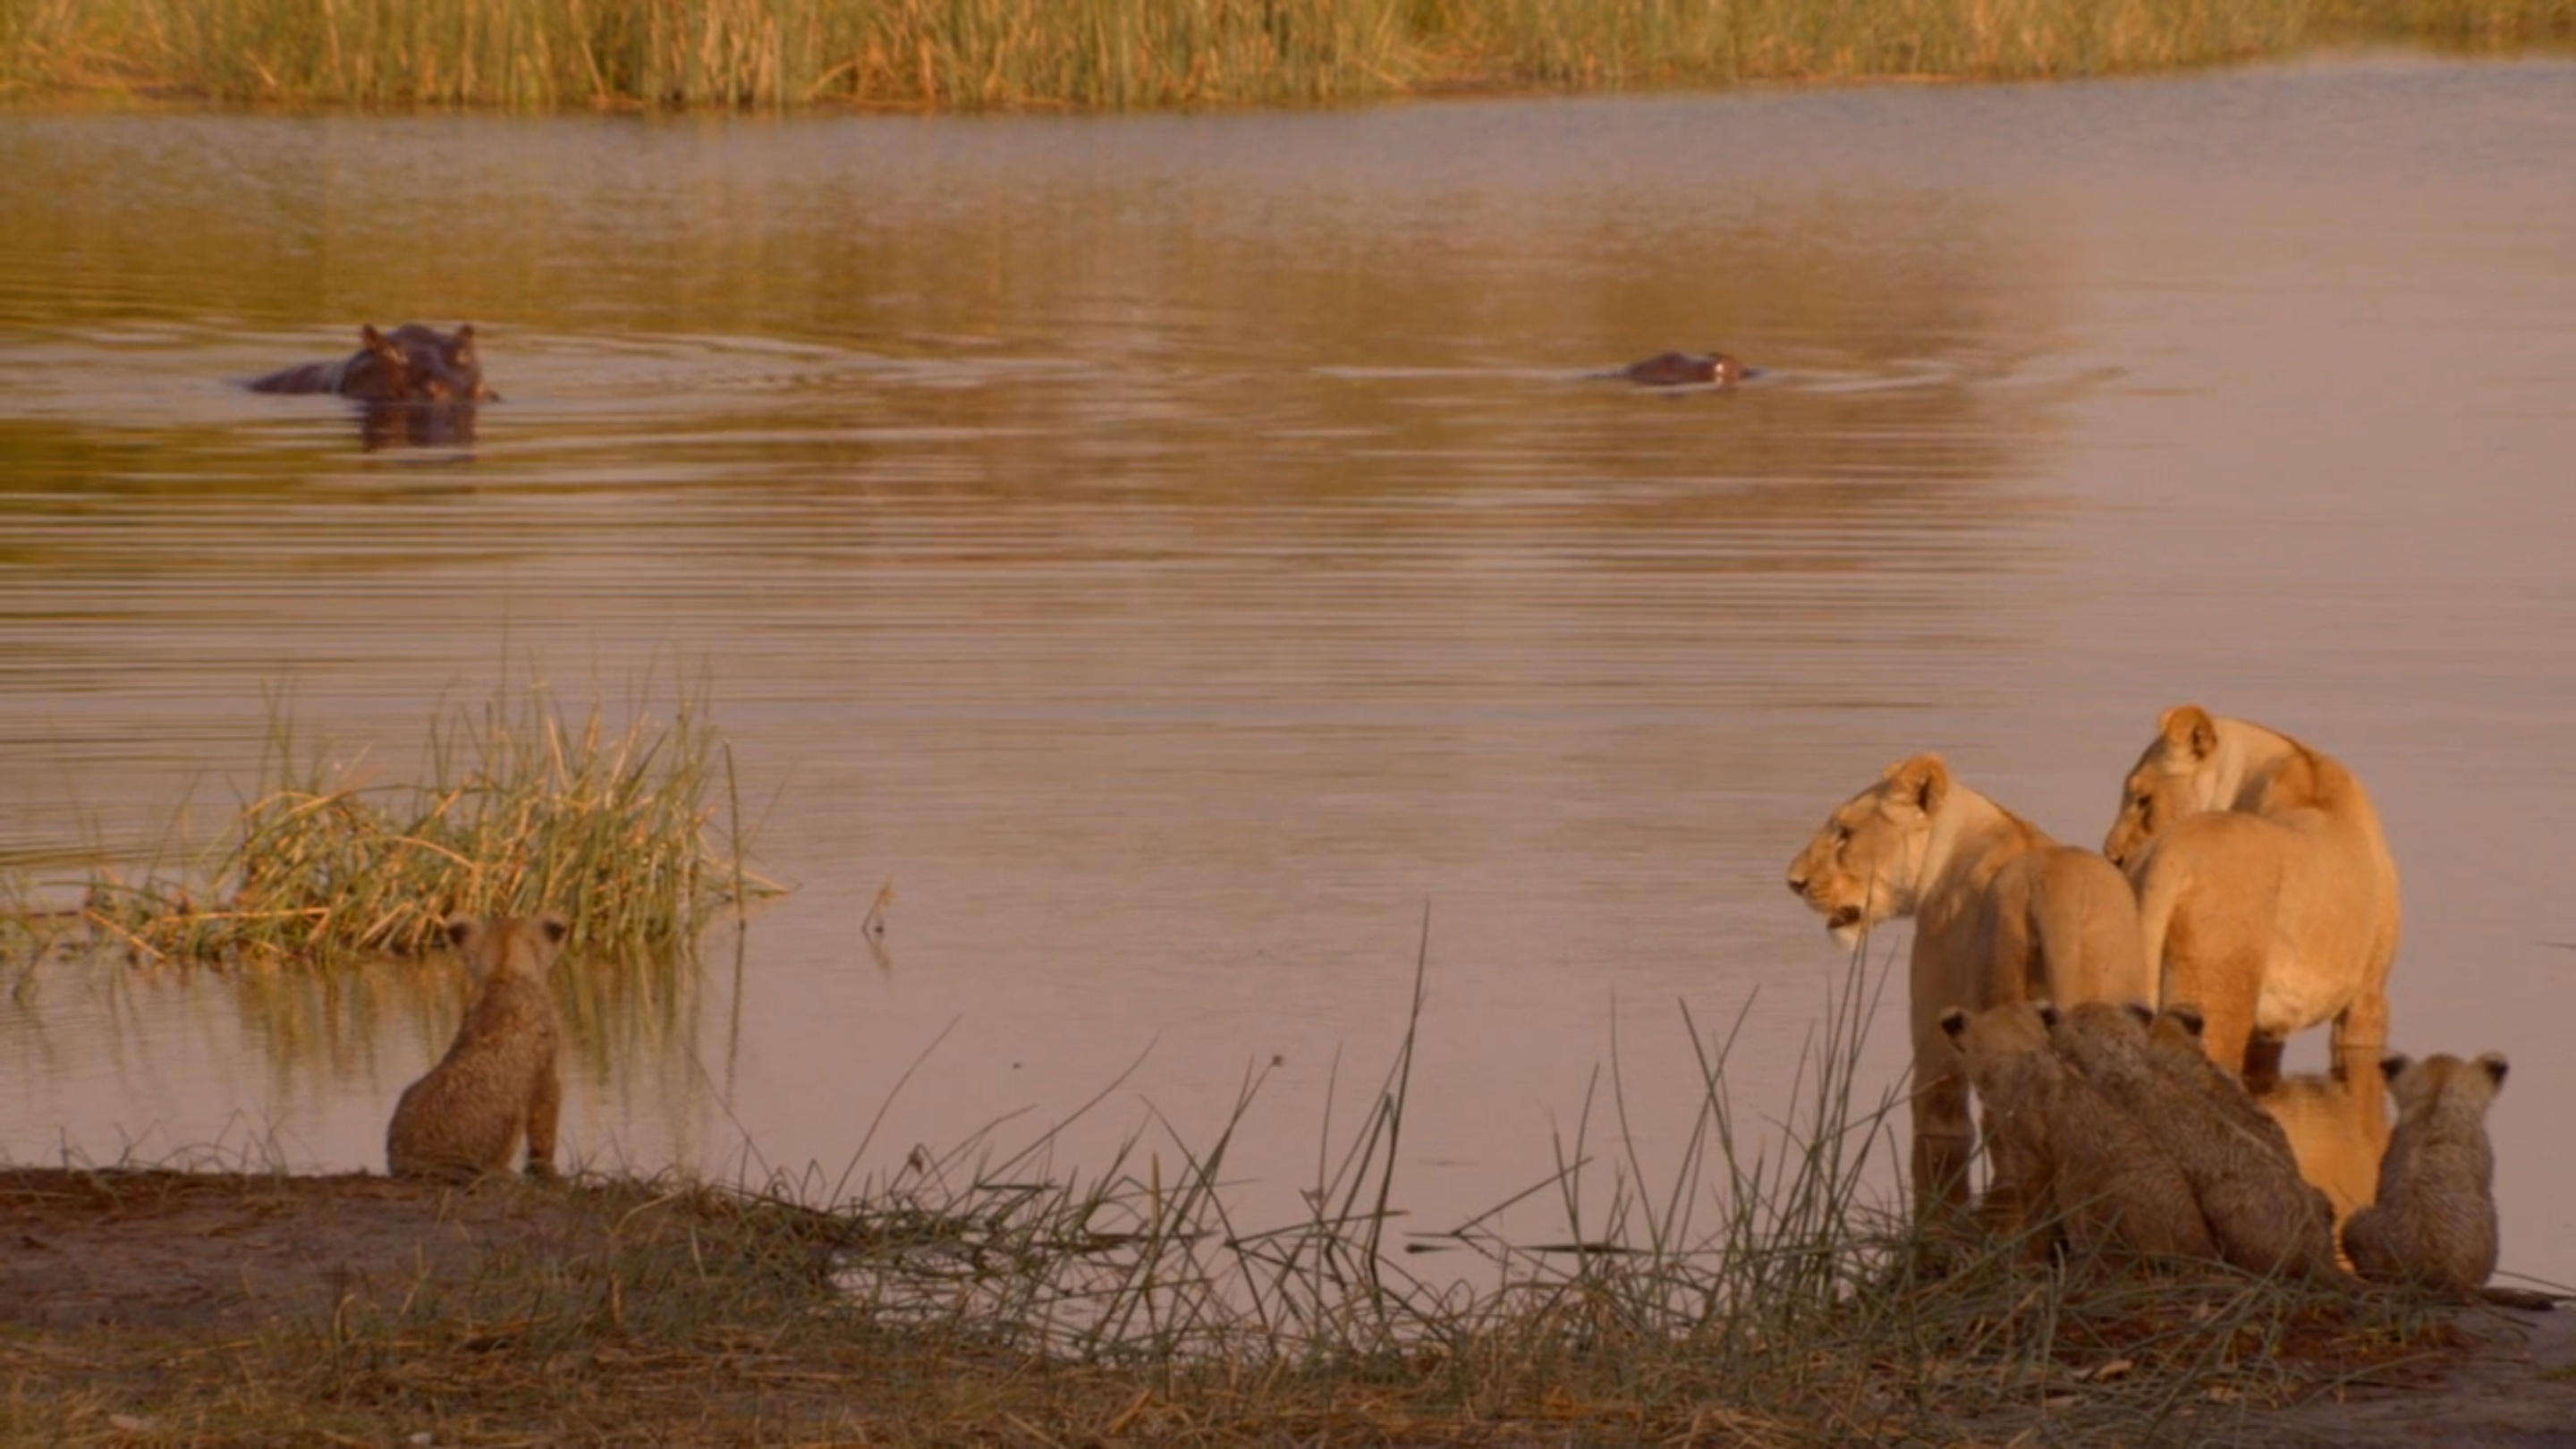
[[2108, 1009]]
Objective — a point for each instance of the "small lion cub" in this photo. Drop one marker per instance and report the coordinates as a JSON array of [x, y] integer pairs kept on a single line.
[[497, 1083], [2434, 1224]]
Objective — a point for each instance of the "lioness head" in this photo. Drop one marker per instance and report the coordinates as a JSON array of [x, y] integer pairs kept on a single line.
[[1861, 868], [2172, 779]]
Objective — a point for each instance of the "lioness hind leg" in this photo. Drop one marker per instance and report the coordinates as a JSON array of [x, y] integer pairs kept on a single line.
[[1944, 1141], [2363, 1026], [2263, 1061], [545, 1108]]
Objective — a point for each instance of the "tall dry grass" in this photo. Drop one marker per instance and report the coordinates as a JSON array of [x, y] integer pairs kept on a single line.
[[545, 54]]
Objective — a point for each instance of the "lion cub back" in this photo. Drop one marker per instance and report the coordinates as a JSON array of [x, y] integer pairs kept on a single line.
[[497, 1085], [2262, 1216], [2061, 1146], [2434, 1224]]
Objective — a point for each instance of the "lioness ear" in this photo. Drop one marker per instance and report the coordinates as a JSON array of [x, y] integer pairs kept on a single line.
[[2190, 727], [1922, 782], [2145, 1014], [2047, 1012], [1954, 1021], [2495, 1064], [460, 928], [2190, 1017], [2392, 1064]]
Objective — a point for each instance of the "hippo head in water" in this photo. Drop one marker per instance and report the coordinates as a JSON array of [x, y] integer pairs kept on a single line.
[[379, 371], [1680, 369], [443, 365]]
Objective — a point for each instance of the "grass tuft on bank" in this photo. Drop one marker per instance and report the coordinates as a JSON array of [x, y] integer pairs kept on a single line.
[[1127, 54], [522, 807]]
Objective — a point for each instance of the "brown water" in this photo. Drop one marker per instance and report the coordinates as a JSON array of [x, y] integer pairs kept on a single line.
[[1182, 553]]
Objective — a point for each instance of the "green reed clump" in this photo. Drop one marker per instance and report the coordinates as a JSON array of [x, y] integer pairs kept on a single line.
[[524, 808], [540, 54]]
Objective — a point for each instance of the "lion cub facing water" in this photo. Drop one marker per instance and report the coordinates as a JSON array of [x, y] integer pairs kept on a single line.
[[2062, 1151], [2261, 1215], [2434, 1224], [497, 1083]]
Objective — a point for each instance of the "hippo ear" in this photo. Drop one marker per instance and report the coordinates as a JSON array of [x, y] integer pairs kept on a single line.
[[464, 332], [2189, 728], [2392, 1064], [1954, 1021], [2494, 1064], [2048, 1015], [1922, 782], [2142, 1013]]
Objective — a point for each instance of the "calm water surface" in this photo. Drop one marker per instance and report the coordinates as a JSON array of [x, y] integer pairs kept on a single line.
[[1183, 553]]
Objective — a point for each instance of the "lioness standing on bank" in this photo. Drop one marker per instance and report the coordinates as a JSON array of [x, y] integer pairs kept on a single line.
[[2266, 892], [2001, 912], [497, 1083], [2434, 1224]]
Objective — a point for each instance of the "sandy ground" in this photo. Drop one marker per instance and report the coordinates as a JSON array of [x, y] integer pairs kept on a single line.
[[184, 1253]]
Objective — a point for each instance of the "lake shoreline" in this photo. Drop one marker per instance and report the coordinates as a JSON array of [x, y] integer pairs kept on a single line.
[[198, 1306]]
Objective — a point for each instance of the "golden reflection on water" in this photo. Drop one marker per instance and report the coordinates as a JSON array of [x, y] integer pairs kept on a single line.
[[1181, 552]]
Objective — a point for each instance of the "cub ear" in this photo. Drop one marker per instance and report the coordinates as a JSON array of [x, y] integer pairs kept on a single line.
[[2495, 1064], [460, 928], [2189, 727], [555, 927], [1922, 782], [2144, 1014], [1954, 1021], [2189, 1018], [2048, 1014], [2392, 1064]]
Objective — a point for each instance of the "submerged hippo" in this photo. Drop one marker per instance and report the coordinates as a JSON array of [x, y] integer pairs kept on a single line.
[[1681, 369], [379, 371], [410, 364], [446, 360], [415, 385]]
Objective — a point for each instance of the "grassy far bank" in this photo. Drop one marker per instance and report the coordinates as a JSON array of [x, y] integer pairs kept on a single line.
[[1114, 54]]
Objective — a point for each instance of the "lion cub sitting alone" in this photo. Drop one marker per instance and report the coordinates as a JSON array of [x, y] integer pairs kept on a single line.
[[2059, 1147], [2434, 1224], [497, 1083]]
